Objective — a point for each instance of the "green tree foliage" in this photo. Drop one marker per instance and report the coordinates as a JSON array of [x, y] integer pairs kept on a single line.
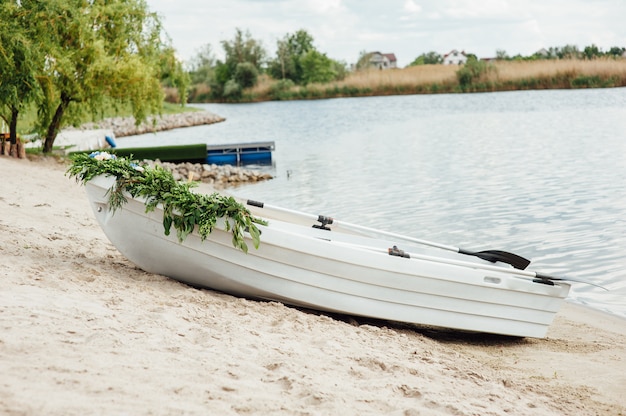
[[184, 210], [564, 52], [172, 73], [340, 68], [85, 56], [221, 75], [240, 69], [471, 72], [280, 90], [97, 51], [246, 74], [594, 52], [616, 51], [501, 55], [298, 60], [429, 58], [232, 90], [364, 60], [569, 52], [316, 67], [201, 65], [243, 48], [289, 52], [19, 64]]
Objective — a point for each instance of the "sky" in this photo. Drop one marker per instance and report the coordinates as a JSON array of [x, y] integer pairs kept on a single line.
[[408, 28]]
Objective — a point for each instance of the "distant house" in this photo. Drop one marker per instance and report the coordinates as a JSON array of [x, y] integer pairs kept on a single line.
[[383, 60], [454, 58]]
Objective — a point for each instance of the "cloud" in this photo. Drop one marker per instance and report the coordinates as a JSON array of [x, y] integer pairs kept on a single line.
[[323, 6], [408, 28], [411, 7]]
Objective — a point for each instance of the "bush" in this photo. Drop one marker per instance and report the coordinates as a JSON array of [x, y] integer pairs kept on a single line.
[[216, 90], [582, 81], [317, 68], [280, 89], [246, 75], [471, 72], [232, 90]]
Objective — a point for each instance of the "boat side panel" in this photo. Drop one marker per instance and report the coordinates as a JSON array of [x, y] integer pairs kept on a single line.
[[307, 280]]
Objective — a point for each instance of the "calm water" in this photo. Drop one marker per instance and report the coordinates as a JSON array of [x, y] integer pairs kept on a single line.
[[538, 173]]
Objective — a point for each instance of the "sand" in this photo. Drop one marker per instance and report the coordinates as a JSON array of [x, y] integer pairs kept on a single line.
[[83, 331]]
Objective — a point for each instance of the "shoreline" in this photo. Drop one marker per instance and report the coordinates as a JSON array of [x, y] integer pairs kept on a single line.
[[85, 331], [91, 136], [125, 126]]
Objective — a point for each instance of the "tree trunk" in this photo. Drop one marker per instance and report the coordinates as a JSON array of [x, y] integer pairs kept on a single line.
[[16, 148], [13, 126], [55, 124], [21, 150], [4, 140]]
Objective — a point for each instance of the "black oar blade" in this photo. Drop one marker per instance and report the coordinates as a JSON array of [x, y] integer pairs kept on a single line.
[[493, 256]]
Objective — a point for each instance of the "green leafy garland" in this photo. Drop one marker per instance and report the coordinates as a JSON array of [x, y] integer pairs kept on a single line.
[[181, 208]]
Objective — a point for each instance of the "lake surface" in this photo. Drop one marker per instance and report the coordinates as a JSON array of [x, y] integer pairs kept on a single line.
[[538, 173]]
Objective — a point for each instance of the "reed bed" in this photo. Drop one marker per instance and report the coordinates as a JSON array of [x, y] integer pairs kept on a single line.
[[431, 79], [604, 68], [551, 74], [415, 75]]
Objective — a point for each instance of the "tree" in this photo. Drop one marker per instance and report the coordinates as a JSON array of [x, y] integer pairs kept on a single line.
[[19, 62], [501, 55], [246, 75], [289, 53], [243, 48], [364, 60], [299, 61], [591, 52], [230, 77], [616, 51], [429, 58], [568, 52], [97, 53], [316, 67], [201, 65], [172, 73], [472, 72]]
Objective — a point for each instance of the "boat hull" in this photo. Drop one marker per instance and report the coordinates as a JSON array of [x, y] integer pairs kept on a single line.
[[332, 272]]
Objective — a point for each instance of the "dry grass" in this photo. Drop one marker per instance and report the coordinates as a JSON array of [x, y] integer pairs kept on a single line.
[[423, 74], [263, 86], [516, 70]]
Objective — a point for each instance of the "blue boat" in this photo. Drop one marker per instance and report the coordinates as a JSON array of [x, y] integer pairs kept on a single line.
[[240, 153], [220, 154]]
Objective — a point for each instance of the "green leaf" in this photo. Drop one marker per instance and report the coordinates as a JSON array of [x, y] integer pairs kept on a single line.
[[182, 209]]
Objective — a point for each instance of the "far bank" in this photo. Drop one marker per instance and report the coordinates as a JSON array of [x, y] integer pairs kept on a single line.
[[479, 76]]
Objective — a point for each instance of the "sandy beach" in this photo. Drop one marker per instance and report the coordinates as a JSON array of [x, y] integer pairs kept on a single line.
[[83, 331]]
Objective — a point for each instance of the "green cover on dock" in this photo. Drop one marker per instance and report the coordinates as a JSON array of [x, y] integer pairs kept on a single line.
[[177, 153]]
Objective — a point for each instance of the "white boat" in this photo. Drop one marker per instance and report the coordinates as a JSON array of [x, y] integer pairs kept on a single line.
[[336, 271]]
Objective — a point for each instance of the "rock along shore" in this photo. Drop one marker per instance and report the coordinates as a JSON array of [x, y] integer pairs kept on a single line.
[[218, 176], [125, 126]]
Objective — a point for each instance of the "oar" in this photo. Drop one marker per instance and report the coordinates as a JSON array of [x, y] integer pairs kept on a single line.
[[490, 255], [536, 276], [522, 274]]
